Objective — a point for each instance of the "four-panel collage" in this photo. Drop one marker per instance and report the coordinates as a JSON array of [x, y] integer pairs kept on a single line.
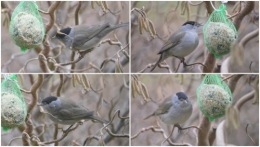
[[130, 73]]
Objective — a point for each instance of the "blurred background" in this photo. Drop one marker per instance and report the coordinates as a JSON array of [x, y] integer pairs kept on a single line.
[[160, 87], [167, 17], [109, 93], [13, 60]]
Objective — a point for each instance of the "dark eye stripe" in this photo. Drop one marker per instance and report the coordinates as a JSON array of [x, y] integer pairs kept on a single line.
[[49, 99]]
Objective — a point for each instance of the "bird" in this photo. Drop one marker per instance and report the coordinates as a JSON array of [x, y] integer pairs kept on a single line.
[[84, 38], [67, 112], [181, 43], [174, 110]]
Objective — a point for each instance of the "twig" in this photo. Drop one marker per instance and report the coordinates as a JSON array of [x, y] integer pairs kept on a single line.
[[116, 135], [250, 136], [75, 143], [46, 50], [168, 136], [210, 59], [110, 122], [81, 56], [178, 67], [13, 56], [25, 91], [29, 128], [244, 99], [160, 130], [249, 37], [204, 131], [249, 6], [116, 54], [226, 78], [65, 133], [26, 63], [165, 66], [55, 134], [10, 142], [195, 4], [153, 128], [147, 66], [76, 23], [185, 64], [233, 81], [60, 86], [209, 63], [91, 137], [114, 13], [180, 128]]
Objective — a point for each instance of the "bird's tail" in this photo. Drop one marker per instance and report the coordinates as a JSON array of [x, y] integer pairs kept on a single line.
[[149, 116], [110, 28], [120, 25], [156, 64]]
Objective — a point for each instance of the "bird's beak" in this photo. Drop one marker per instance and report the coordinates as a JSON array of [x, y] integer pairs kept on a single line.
[[186, 101]]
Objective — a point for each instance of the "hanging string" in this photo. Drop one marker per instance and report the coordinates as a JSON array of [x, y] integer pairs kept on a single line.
[[223, 2], [213, 6]]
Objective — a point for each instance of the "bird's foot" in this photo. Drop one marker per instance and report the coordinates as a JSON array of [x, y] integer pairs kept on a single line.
[[67, 130], [83, 53], [183, 62], [179, 127]]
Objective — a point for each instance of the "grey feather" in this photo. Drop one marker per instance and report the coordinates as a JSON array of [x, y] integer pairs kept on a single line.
[[86, 37]]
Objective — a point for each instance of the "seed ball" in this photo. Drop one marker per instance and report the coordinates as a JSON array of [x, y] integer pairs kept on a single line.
[[219, 38], [26, 30], [13, 110], [213, 100]]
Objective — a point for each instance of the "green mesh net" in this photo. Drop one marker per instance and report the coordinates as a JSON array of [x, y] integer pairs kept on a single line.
[[26, 27], [219, 32], [13, 106], [213, 95]]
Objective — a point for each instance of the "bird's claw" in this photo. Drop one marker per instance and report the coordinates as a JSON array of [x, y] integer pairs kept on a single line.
[[179, 127]]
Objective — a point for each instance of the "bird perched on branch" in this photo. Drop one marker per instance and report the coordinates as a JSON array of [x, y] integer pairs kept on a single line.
[[67, 112], [174, 110], [85, 38], [181, 43]]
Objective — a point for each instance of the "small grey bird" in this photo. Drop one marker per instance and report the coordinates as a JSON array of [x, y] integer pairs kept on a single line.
[[67, 112], [84, 37], [174, 110], [181, 43]]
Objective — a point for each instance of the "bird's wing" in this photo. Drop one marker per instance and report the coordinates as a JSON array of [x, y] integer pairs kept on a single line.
[[88, 32], [74, 114], [164, 107], [73, 111], [173, 40]]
